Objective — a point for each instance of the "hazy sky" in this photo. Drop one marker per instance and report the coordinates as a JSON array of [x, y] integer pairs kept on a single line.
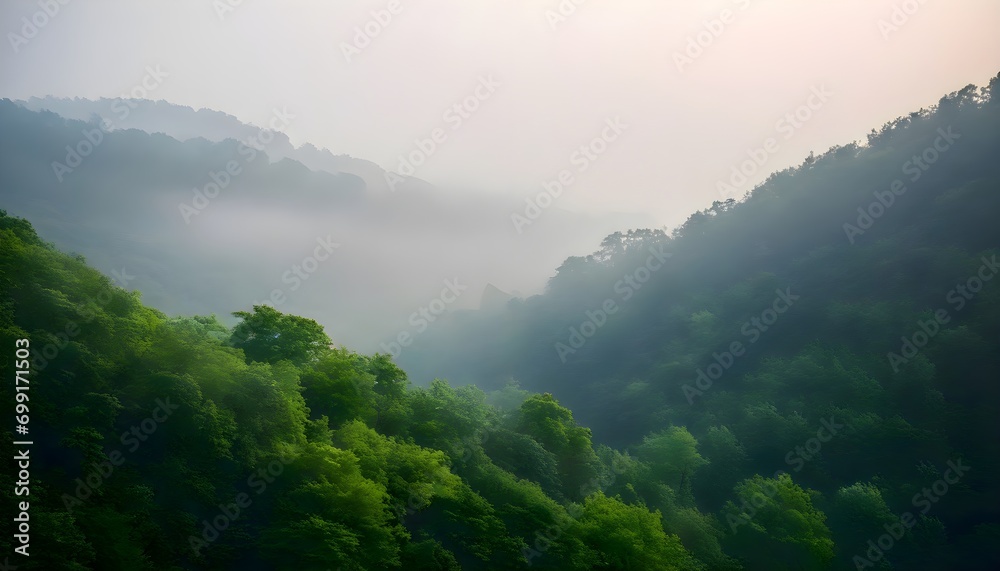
[[555, 80]]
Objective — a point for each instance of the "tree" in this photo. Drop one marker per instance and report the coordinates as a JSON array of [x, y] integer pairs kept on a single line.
[[522, 456], [389, 392], [673, 455], [629, 537], [329, 515], [542, 418], [860, 514], [775, 526], [727, 460], [269, 336], [336, 387]]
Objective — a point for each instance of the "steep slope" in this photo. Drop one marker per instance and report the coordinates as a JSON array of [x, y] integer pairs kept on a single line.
[[161, 443], [859, 287]]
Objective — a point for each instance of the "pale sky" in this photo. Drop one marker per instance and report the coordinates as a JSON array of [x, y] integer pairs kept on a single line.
[[556, 86]]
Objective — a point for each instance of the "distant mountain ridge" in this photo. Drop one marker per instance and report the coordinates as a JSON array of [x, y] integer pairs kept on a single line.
[[229, 213], [184, 123]]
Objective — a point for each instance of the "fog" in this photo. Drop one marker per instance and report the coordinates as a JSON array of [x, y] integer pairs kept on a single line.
[[214, 226], [559, 78], [438, 141], [532, 284]]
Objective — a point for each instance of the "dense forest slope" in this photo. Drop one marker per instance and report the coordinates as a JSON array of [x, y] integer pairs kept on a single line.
[[858, 286], [785, 383], [180, 444]]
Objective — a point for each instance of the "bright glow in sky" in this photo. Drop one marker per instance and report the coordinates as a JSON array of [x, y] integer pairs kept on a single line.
[[557, 84]]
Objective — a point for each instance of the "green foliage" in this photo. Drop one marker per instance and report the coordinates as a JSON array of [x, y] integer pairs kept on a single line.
[[623, 536], [543, 419], [268, 336], [340, 463], [265, 446], [328, 513], [868, 284], [334, 387], [524, 457], [777, 525], [673, 456]]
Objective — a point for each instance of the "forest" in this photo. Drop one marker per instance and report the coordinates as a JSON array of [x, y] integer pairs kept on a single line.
[[801, 379]]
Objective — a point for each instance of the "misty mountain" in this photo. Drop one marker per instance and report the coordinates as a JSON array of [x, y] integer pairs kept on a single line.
[[801, 380], [183, 123], [500, 286], [868, 266], [137, 203]]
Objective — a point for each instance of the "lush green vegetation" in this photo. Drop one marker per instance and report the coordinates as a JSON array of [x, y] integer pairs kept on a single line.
[[178, 443], [819, 311], [816, 439]]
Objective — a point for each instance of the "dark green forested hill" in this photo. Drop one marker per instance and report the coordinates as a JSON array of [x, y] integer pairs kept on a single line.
[[860, 286], [180, 444], [805, 379]]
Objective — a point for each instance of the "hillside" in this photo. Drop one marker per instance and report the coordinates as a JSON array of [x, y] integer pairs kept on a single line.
[[856, 287], [177, 443], [802, 379]]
